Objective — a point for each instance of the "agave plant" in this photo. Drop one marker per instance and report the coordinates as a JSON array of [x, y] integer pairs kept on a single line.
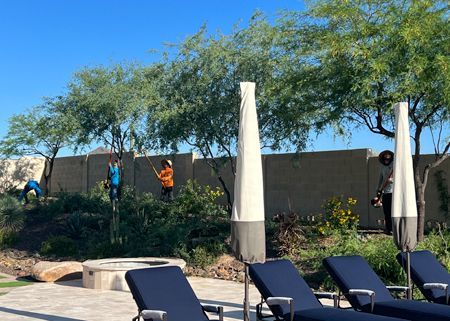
[[11, 214]]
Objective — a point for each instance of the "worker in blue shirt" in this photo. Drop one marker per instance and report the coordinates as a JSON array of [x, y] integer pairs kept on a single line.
[[114, 176], [30, 185]]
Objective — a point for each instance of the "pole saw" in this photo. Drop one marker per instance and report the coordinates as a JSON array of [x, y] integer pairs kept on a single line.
[[151, 164]]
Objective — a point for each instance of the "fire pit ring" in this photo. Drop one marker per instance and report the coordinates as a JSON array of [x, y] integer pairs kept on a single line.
[[109, 274]]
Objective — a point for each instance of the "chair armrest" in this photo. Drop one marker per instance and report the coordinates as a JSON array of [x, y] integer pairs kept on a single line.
[[361, 292], [397, 288], [156, 315], [328, 295], [365, 292], [217, 309], [279, 300], [440, 286]]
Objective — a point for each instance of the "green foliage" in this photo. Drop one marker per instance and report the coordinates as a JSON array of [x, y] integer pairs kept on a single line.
[[199, 95], [95, 201], [206, 254], [192, 223], [60, 246], [42, 131], [378, 250], [377, 55], [108, 103], [79, 224], [362, 56], [7, 239], [11, 215], [193, 217], [338, 216], [438, 242]]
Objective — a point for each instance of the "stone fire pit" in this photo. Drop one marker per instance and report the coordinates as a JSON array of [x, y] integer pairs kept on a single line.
[[109, 274]]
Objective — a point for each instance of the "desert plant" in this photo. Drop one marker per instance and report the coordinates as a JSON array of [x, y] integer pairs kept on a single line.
[[11, 214], [338, 216], [60, 246], [289, 234]]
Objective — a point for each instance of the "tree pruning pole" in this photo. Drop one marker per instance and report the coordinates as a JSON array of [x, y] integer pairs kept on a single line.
[[151, 164]]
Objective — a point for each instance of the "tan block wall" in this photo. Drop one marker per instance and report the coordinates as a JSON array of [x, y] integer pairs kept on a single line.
[[301, 183], [97, 168], [292, 182], [14, 173], [69, 175]]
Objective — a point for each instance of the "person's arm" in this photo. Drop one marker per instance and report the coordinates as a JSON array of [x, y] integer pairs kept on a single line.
[[380, 182]]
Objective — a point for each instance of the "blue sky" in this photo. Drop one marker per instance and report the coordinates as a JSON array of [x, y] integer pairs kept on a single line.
[[44, 42]]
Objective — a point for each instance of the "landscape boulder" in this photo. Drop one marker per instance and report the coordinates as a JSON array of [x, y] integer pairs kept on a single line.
[[57, 271]]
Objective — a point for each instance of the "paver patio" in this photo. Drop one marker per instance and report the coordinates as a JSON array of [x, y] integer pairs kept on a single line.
[[69, 301]]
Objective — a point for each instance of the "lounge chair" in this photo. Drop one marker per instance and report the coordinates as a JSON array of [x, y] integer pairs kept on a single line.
[[163, 293], [290, 299], [429, 275], [366, 292]]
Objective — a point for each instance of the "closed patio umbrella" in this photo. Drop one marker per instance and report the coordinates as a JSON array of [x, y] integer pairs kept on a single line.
[[247, 220], [404, 208]]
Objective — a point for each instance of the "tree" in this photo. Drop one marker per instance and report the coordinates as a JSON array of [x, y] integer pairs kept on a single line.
[[108, 103], [41, 131], [199, 96], [368, 55]]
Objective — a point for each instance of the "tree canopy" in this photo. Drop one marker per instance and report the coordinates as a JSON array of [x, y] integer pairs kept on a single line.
[[368, 55], [41, 131], [199, 95], [108, 103]]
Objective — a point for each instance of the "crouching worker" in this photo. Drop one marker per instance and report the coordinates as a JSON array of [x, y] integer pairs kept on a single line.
[[30, 185], [166, 178]]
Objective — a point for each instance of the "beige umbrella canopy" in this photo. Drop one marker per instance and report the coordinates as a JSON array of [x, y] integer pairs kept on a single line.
[[247, 220], [404, 207]]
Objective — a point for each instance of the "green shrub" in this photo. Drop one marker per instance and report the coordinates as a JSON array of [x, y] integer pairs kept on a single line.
[[438, 242], [7, 239], [200, 257], [60, 246], [11, 214], [378, 250], [147, 226], [205, 254], [80, 224]]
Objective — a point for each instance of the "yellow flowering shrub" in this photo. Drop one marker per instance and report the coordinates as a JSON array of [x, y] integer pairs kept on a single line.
[[338, 215]]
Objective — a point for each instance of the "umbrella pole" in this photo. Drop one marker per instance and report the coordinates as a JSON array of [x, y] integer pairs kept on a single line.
[[408, 275], [246, 290]]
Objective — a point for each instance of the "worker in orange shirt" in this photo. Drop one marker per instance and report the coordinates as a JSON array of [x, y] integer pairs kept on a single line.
[[166, 178]]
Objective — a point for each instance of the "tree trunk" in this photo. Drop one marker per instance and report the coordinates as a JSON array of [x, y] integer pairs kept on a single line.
[[47, 177], [420, 194], [227, 193], [420, 184]]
